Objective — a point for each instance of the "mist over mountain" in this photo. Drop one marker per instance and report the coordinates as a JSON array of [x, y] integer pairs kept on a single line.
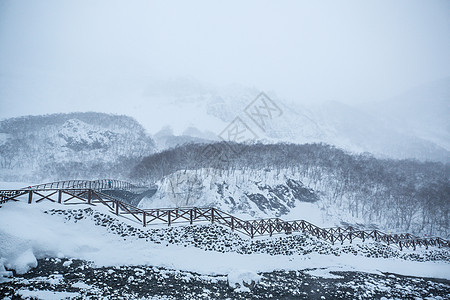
[[75, 145], [414, 125], [423, 112]]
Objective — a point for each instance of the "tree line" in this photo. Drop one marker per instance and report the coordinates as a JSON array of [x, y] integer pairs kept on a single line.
[[408, 195]]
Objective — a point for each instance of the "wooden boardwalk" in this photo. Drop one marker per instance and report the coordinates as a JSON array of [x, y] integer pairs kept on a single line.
[[94, 193]]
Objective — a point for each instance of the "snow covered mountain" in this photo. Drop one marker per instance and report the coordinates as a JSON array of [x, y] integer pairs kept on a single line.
[[415, 126], [76, 145]]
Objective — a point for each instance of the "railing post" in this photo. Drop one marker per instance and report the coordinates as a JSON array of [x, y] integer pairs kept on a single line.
[[59, 196], [190, 216], [144, 221], [351, 235], [117, 207], [251, 230], [89, 196], [30, 197], [212, 215], [168, 216], [232, 223], [400, 244]]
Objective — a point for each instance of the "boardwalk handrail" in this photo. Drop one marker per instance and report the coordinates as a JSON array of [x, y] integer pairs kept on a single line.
[[252, 228], [99, 185]]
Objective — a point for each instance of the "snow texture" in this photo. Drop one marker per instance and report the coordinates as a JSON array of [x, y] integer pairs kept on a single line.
[[106, 241], [242, 280]]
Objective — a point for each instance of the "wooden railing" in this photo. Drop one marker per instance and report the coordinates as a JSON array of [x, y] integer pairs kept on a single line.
[[190, 215], [98, 185]]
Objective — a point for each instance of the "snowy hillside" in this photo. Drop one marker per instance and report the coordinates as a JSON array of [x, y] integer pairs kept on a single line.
[[82, 252], [76, 145], [318, 183]]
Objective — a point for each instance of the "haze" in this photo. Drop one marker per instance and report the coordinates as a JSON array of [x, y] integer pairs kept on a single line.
[[62, 56]]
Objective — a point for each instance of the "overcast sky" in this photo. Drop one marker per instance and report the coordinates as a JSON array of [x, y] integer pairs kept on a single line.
[[98, 55]]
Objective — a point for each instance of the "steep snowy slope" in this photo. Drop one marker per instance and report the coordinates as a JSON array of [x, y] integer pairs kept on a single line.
[[62, 146], [249, 194]]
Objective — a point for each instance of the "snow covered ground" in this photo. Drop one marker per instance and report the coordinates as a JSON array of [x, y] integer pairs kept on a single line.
[[27, 232], [30, 233]]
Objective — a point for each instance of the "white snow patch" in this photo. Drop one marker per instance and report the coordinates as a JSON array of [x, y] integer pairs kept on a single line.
[[23, 262], [81, 285], [5, 276], [241, 280], [323, 273], [47, 295]]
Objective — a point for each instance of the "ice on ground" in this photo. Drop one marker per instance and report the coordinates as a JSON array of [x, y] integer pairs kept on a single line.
[[242, 280]]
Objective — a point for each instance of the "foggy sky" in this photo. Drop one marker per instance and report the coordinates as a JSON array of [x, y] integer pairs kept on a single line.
[[61, 56]]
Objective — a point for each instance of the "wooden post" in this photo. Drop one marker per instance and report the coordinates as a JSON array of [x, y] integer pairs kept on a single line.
[[232, 223], [60, 196], [212, 215], [89, 196], [190, 216], [144, 221], [117, 207], [168, 216], [251, 230], [400, 244], [30, 197]]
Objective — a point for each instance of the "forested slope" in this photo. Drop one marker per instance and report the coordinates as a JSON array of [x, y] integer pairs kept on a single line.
[[402, 195]]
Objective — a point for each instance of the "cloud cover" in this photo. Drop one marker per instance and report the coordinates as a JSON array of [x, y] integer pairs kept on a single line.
[[102, 55]]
